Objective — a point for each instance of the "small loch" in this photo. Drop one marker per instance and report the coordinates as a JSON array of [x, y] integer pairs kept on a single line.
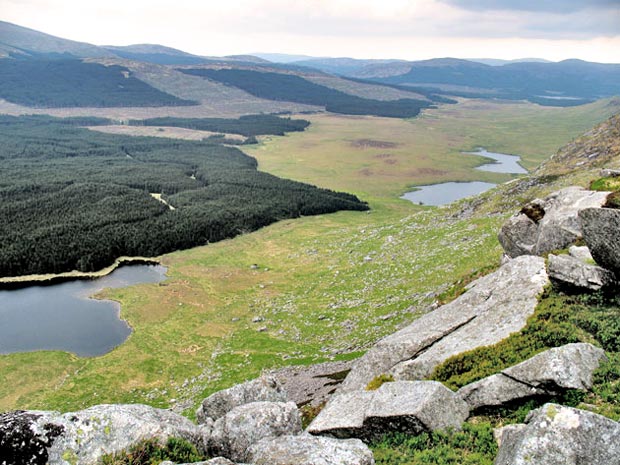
[[448, 192], [63, 317]]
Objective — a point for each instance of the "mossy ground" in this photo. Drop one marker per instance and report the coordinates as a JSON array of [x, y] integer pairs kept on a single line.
[[324, 287]]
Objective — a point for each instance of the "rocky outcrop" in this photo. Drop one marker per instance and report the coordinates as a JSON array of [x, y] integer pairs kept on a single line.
[[214, 461], [548, 373], [263, 389], [310, 450], [42, 438], [557, 435], [403, 406], [313, 384], [247, 424], [566, 270], [493, 307], [548, 224], [601, 231]]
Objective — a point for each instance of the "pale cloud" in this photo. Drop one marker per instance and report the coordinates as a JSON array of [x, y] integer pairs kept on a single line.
[[408, 29]]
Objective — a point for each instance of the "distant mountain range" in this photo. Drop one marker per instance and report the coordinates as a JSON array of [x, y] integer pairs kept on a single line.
[[155, 75]]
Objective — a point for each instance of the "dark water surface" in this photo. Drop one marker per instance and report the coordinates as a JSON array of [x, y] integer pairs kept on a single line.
[[63, 317]]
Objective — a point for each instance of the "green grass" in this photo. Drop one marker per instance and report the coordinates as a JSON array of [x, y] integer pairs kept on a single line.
[[326, 287], [474, 445], [559, 319]]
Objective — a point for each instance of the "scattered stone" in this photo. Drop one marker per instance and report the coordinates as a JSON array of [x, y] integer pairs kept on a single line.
[[601, 231], [609, 173], [262, 329], [404, 406], [43, 437], [257, 319], [570, 271], [548, 373], [247, 424], [558, 435], [306, 449], [265, 388], [493, 307], [548, 224]]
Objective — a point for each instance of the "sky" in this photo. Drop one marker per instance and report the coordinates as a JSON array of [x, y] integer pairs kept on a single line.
[[405, 29]]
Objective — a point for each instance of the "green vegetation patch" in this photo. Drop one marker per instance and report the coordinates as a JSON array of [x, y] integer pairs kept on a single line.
[[74, 83], [379, 381], [152, 452], [559, 319], [475, 445]]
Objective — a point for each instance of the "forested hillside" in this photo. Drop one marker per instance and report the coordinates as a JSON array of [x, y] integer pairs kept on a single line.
[[291, 88], [71, 198], [74, 83], [250, 125]]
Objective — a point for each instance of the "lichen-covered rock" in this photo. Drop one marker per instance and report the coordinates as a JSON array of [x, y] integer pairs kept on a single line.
[[247, 424], [306, 449], [493, 307], [403, 406], [214, 461], [558, 435], [601, 231], [42, 438], [263, 389], [548, 224], [548, 373], [567, 270]]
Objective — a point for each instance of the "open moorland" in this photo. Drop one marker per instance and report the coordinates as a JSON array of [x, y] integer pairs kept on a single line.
[[315, 288]]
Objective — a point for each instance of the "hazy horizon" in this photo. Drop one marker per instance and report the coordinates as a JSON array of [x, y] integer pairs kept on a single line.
[[391, 29]]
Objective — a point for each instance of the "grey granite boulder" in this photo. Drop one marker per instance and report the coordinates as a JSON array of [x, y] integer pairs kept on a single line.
[[548, 373], [601, 231], [306, 449], [263, 389], [403, 406], [247, 424], [548, 224], [567, 270], [558, 435], [493, 307], [38, 437], [214, 461]]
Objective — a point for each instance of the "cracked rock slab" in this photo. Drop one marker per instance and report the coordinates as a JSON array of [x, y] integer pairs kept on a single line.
[[558, 435], [306, 449], [493, 307], [403, 406], [548, 224], [84, 437], [548, 373]]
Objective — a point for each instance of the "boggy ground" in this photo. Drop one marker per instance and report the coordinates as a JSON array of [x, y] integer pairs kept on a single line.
[[311, 289]]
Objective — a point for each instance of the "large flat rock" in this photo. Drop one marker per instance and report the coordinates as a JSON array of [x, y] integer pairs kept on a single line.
[[572, 272], [493, 307], [410, 407], [548, 373]]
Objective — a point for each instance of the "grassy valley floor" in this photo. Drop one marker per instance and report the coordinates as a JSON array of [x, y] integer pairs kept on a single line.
[[316, 288]]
